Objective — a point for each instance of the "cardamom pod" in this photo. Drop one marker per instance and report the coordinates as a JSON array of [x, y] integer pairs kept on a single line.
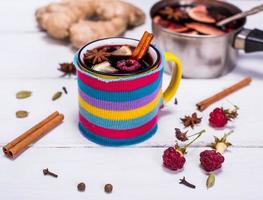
[[21, 114], [23, 94], [56, 96], [210, 181]]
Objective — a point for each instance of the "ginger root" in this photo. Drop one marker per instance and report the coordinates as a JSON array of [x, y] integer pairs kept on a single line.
[[70, 19]]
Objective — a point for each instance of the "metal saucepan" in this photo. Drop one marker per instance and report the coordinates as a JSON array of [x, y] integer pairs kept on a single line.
[[206, 56]]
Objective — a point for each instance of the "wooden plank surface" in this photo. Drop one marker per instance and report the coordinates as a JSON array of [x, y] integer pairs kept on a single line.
[[30, 60], [40, 105], [135, 173]]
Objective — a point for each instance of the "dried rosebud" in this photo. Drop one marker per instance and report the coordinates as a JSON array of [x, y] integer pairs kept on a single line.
[[231, 114], [181, 135]]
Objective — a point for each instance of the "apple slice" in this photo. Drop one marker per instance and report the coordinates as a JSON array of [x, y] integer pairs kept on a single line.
[[104, 67], [205, 29], [178, 28], [200, 14], [122, 51]]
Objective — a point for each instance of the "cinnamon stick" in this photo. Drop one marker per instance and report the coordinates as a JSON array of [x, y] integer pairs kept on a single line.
[[22, 142], [142, 46], [202, 105]]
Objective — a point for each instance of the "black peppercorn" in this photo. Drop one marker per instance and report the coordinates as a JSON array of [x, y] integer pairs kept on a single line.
[[108, 188], [81, 187]]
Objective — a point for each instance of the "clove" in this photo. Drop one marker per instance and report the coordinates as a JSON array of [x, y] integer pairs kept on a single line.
[[47, 172], [186, 183], [65, 89]]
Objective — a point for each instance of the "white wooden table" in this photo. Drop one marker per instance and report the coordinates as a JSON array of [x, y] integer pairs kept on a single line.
[[29, 60]]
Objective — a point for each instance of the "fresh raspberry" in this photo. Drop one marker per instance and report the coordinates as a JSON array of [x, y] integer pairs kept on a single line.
[[211, 160], [173, 159], [218, 118], [129, 65]]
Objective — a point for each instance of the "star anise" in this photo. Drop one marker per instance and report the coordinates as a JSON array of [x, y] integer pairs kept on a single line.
[[180, 15], [174, 13], [168, 12], [181, 135], [191, 120], [97, 56], [67, 69]]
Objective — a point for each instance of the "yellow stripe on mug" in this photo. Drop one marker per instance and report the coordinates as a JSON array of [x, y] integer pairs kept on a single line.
[[121, 115]]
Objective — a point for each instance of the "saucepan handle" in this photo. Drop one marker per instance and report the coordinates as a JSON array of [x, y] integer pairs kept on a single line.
[[249, 40]]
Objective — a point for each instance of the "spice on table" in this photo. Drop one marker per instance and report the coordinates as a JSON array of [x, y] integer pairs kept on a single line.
[[47, 172], [56, 96], [175, 101], [202, 105], [210, 181], [108, 188], [186, 183], [23, 94], [191, 120], [22, 142], [81, 187], [65, 89], [21, 114], [67, 69], [181, 135]]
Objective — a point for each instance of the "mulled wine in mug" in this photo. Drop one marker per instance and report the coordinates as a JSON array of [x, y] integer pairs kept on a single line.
[[120, 95]]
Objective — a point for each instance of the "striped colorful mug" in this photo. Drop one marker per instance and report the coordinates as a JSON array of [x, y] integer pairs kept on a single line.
[[123, 110]]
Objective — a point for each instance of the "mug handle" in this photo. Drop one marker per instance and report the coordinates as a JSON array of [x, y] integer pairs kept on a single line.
[[175, 79]]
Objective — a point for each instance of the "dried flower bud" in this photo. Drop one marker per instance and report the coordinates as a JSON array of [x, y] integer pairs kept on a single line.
[[181, 135], [231, 114]]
